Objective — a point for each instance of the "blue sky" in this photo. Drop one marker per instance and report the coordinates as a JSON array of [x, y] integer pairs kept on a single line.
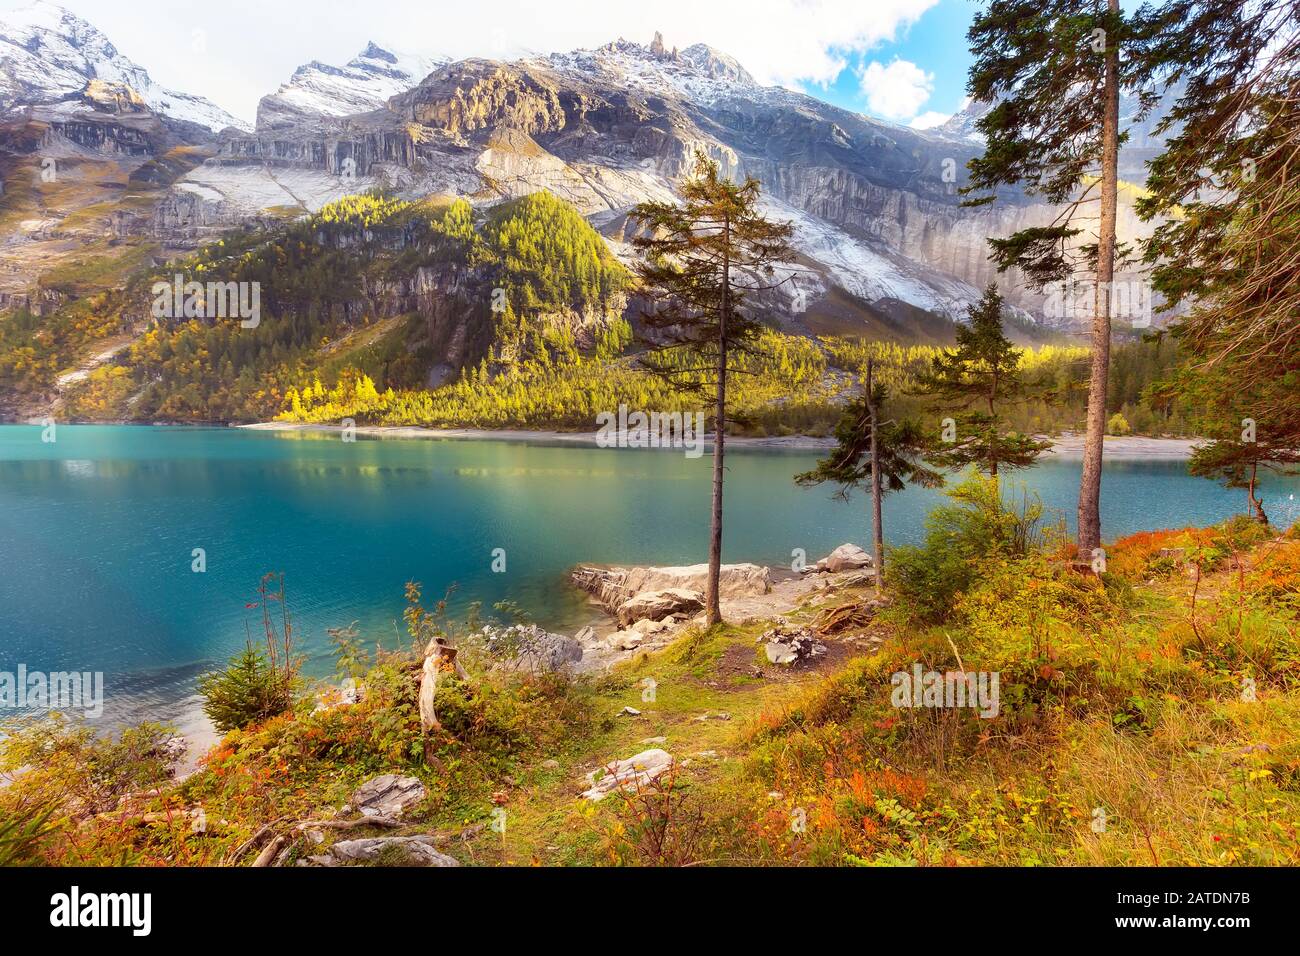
[[895, 59], [935, 44]]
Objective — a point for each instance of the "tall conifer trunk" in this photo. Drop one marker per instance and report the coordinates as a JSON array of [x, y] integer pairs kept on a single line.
[[704, 256], [877, 530], [1090, 483], [713, 604]]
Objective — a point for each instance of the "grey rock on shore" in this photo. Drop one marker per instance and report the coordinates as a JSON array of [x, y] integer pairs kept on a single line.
[[388, 795], [529, 647], [652, 592], [847, 557]]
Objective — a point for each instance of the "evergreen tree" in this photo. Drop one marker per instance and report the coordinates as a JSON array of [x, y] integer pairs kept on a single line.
[[1226, 195], [1052, 70], [888, 455], [247, 692], [975, 381], [1236, 462], [703, 259]]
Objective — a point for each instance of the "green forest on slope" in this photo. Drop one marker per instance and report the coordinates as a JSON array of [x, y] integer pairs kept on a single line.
[[320, 279], [536, 299]]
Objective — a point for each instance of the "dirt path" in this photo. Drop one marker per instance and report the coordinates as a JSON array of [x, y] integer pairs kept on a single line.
[[698, 697]]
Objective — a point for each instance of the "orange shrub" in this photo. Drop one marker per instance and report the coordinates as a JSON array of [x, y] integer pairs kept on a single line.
[[1131, 556]]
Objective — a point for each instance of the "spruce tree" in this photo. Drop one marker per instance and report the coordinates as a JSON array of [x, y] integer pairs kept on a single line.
[[887, 455], [975, 382], [704, 260], [1225, 194], [1053, 72], [1236, 462]]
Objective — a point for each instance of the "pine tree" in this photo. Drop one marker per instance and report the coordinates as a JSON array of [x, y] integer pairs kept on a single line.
[[1226, 192], [975, 381], [888, 455], [703, 259], [1052, 69], [1236, 461]]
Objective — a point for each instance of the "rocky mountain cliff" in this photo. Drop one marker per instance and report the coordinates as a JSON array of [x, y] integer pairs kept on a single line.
[[88, 144], [876, 208], [880, 229]]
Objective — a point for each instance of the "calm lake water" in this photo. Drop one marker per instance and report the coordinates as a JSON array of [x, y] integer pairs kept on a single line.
[[97, 532]]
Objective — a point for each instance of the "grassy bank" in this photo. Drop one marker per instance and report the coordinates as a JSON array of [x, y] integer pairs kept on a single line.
[[1148, 715]]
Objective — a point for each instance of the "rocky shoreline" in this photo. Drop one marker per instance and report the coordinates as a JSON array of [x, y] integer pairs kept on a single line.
[[540, 437], [646, 608], [635, 610], [1127, 447], [1068, 445]]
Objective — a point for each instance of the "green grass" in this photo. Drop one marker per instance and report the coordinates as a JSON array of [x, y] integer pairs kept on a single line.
[[1133, 705]]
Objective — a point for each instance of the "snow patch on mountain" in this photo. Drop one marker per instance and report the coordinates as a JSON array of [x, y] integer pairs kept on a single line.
[[872, 274], [365, 83], [47, 53], [256, 190]]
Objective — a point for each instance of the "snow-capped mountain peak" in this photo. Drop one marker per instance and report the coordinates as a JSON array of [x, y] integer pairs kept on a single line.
[[699, 73], [363, 84], [717, 64], [48, 53], [961, 125]]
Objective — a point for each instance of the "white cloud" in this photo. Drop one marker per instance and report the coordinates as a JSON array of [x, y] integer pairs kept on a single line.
[[929, 120], [897, 91], [253, 46]]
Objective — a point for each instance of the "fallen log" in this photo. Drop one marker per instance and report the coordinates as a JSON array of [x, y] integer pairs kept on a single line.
[[256, 840], [846, 616], [271, 850]]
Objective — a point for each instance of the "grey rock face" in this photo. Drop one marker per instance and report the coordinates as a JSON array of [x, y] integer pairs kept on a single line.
[[416, 850], [388, 795], [614, 587], [657, 605], [529, 647]]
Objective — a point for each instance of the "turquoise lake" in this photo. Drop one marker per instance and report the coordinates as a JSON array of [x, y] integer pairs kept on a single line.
[[97, 532]]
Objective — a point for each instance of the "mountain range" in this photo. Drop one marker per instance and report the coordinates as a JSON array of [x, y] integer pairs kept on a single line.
[[883, 240]]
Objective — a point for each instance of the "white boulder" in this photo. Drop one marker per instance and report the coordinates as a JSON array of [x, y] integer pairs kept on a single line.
[[627, 774], [847, 557]]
